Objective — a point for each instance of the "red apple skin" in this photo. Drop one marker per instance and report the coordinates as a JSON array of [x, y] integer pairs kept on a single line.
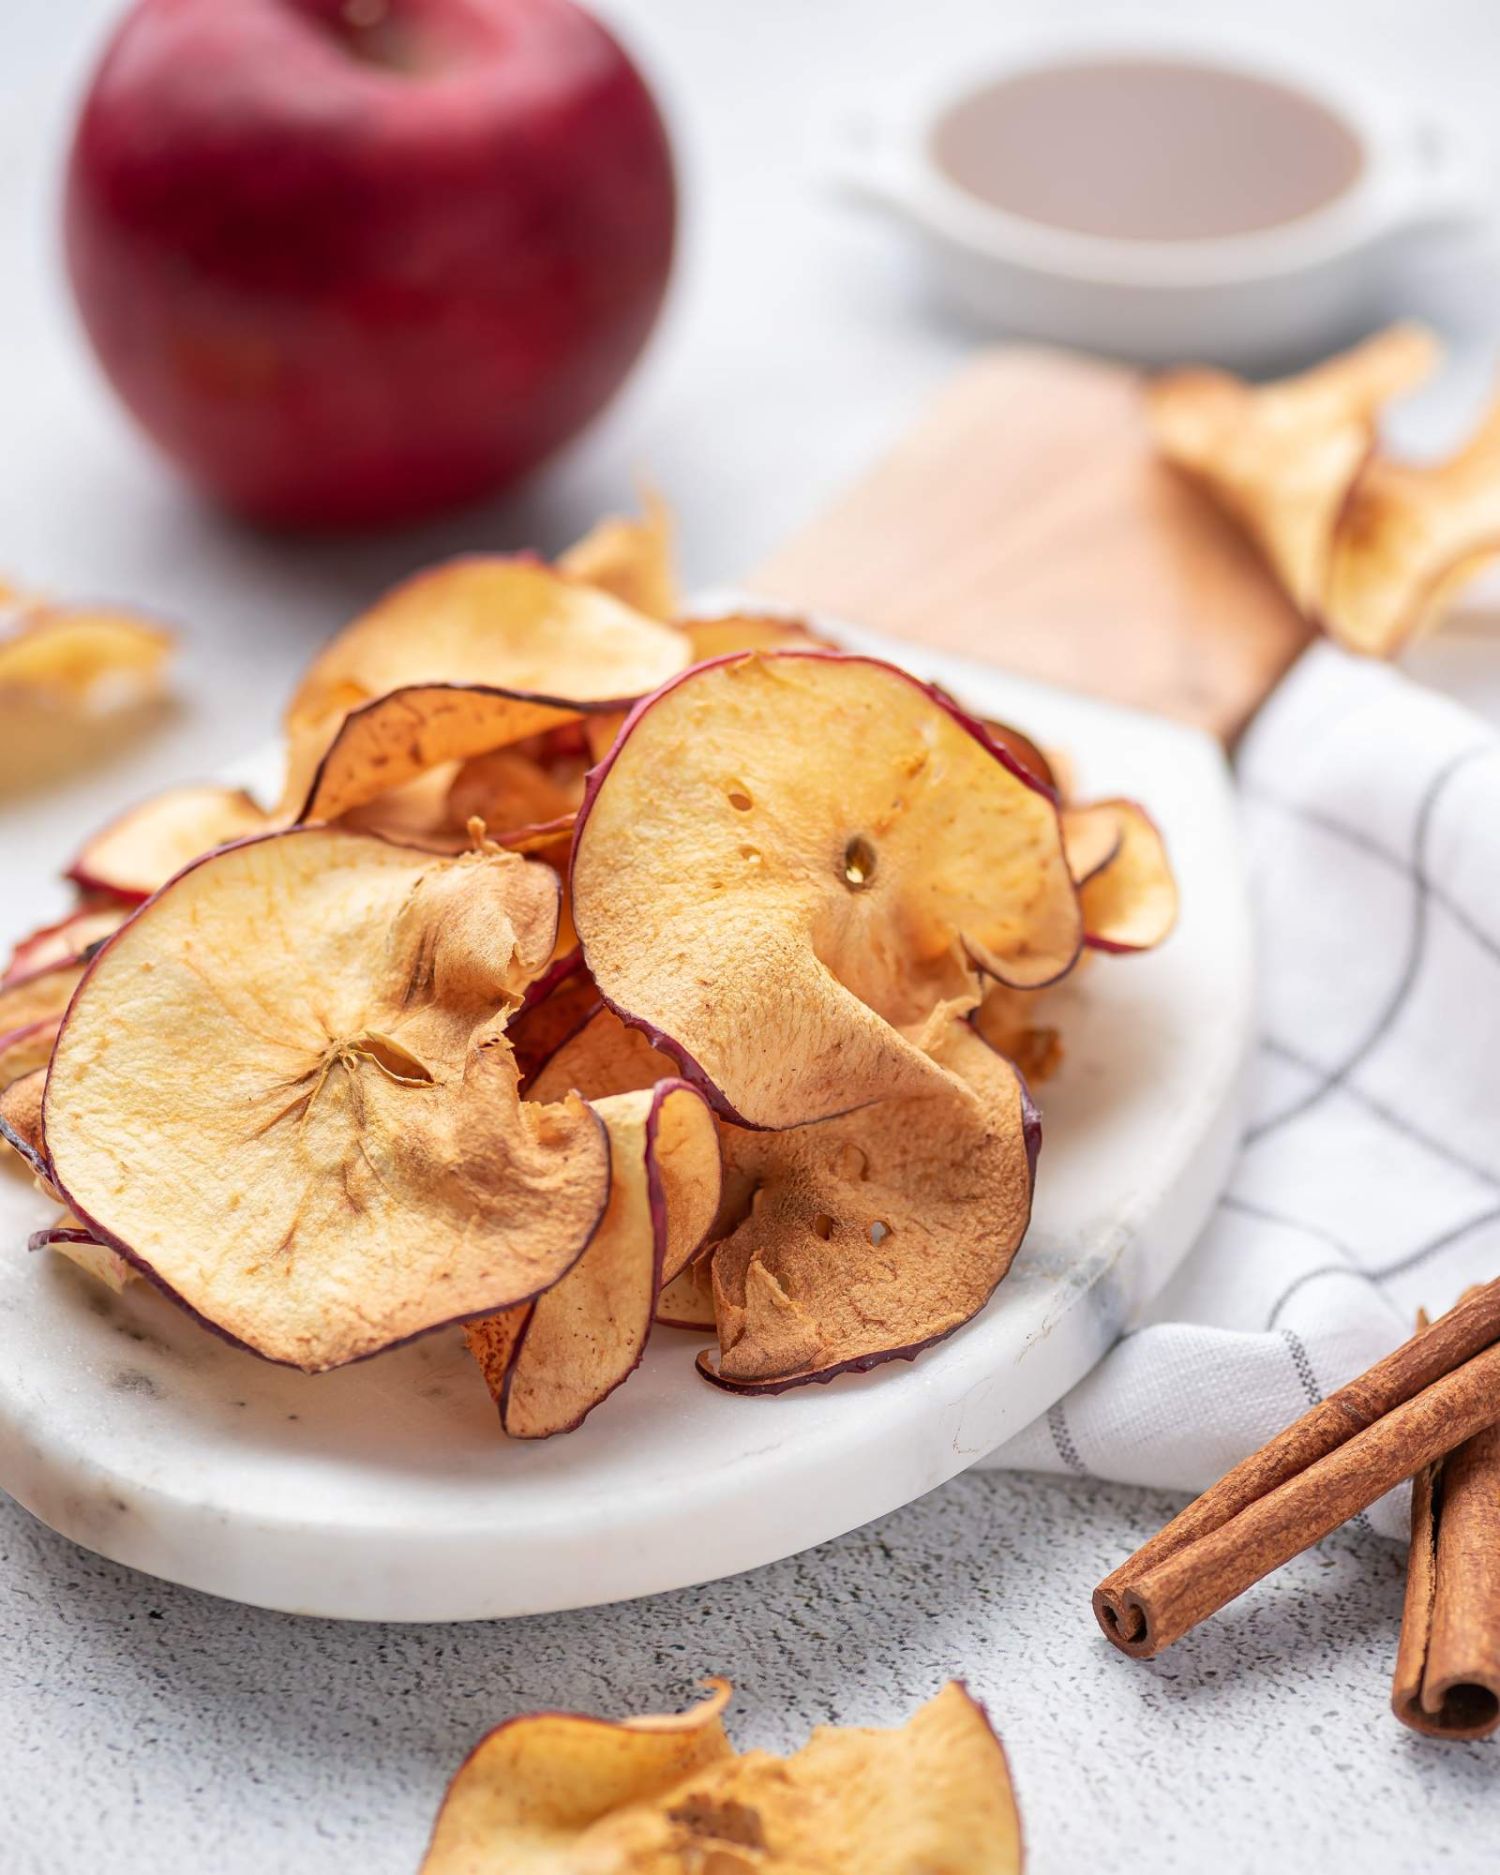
[[351, 274]]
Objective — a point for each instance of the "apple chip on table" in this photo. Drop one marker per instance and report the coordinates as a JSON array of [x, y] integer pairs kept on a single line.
[[578, 984], [558, 1793], [1369, 548]]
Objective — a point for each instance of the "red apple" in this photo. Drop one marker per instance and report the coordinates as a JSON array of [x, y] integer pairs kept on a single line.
[[354, 261]]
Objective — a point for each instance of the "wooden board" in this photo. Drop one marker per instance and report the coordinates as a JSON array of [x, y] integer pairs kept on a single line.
[[1027, 521]]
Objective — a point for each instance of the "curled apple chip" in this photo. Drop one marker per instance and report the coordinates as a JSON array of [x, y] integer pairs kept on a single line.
[[1009, 1021], [585, 1336], [632, 560], [1282, 457], [1130, 901], [1091, 838], [462, 659], [528, 1793], [871, 1236], [69, 1239], [78, 657], [24, 1050], [66, 940], [39, 996], [1409, 536], [21, 1121], [931, 1795], [302, 1036], [153, 841], [789, 859], [559, 1002], [515, 788], [1020, 747], [688, 1300], [749, 631]]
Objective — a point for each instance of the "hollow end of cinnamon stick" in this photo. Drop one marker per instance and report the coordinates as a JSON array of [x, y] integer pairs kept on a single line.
[[1124, 1623], [1465, 1710]]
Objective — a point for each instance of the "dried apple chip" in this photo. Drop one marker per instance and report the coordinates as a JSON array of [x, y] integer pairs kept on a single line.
[[39, 995], [1283, 457], [874, 1235], [559, 1002], [631, 560], [304, 1035], [465, 658], [69, 1239], [541, 1797], [790, 858], [688, 1300], [1408, 538], [153, 841], [509, 788], [21, 1121], [24, 1050], [1130, 902], [530, 1789], [1007, 1020], [585, 1336], [1092, 837], [81, 657], [66, 940], [749, 631]]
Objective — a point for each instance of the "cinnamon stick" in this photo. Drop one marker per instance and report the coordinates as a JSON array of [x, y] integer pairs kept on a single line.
[[1447, 1681], [1428, 1396]]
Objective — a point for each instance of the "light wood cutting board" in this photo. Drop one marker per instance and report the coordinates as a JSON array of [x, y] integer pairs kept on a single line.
[[1027, 521]]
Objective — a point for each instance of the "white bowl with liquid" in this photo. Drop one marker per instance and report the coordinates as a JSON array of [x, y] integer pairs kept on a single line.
[[1164, 200]]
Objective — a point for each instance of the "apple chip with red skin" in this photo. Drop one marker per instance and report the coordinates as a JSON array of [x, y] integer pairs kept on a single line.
[[40, 996], [462, 659], [559, 1795], [284, 1092], [871, 1236], [65, 940], [851, 1241], [550, 1362], [790, 860], [1130, 900], [150, 843], [21, 1122], [24, 1050], [601, 1057], [67, 1238]]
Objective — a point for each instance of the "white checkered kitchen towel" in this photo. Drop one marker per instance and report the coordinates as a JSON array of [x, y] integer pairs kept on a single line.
[[1369, 1181]]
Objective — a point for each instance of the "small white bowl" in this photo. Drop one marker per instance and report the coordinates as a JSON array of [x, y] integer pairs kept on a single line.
[[1248, 300]]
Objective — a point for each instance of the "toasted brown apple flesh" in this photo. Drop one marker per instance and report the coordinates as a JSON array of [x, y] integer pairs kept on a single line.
[[576, 1343], [872, 1236], [465, 658], [791, 859], [556, 1794], [284, 1091], [1130, 902], [530, 1789], [150, 843], [1283, 457]]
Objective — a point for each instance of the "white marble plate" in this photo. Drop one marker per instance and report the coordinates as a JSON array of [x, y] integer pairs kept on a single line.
[[384, 1492]]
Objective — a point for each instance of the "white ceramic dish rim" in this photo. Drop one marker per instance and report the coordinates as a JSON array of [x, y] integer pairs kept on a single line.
[[1418, 171]]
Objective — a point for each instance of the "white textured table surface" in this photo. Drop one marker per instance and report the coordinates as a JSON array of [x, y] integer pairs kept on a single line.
[[145, 1728]]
